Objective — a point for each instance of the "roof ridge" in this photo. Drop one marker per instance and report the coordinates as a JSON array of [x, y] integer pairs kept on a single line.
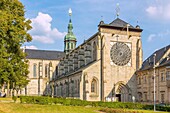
[[44, 50], [156, 51], [163, 48], [120, 22], [159, 55]]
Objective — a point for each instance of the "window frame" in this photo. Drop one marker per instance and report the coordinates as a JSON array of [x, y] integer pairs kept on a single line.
[[46, 70], [94, 52], [34, 70], [94, 86], [162, 77]]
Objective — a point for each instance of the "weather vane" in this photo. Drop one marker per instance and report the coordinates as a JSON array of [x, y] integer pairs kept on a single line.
[[101, 18], [117, 10]]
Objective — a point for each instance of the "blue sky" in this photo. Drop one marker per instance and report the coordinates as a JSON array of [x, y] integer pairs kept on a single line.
[[50, 19]]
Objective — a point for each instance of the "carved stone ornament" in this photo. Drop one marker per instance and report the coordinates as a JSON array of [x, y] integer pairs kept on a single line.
[[120, 53]]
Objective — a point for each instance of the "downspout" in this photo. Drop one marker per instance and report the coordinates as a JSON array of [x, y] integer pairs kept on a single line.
[[101, 68], [68, 83]]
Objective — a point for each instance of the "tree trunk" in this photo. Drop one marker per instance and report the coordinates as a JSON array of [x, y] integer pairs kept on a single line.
[[8, 89]]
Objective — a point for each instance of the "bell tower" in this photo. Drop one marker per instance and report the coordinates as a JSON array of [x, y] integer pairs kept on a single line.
[[70, 38]]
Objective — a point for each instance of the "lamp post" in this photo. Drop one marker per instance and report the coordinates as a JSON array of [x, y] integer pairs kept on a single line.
[[154, 83]]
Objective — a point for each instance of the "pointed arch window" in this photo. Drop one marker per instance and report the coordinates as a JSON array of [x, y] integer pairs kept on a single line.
[[35, 70], [94, 86], [68, 45], [71, 45], [94, 51], [57, 72], [78, 84], [46, 70]]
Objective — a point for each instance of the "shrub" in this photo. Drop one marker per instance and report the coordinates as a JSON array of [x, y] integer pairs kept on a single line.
[[14, 98], [108, 110], [163, 108], [67, 102], [78, 102]]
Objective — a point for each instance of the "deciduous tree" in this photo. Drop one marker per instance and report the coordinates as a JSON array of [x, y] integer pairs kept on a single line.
[[14, 29]]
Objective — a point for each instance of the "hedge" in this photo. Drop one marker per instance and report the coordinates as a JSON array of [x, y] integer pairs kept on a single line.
[[106, 110], [78, 102]]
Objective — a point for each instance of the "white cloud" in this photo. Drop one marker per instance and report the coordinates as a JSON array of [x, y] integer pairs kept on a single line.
[[159, 10], [43, 39], [151, 36], [152, 10], [42, 30], [159, 36], [29, 47], [164, 34]]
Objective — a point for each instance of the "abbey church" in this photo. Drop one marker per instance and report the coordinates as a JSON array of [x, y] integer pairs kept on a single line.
[[105, 67]]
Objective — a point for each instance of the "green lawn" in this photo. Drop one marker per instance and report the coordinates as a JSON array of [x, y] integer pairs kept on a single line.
[[6, 106], [6, 98], [34, 108]]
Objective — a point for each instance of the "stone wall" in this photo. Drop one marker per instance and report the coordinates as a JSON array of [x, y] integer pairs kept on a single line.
[[39, 85], [120, 79], [145, 85]]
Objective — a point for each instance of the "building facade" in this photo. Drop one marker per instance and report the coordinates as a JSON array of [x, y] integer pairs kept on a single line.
[[104, 66], [42, 70], [101, 69], [108, 66], [158, 62]]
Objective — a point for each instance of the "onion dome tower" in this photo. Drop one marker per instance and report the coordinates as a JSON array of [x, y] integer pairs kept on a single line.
[[70, 38]]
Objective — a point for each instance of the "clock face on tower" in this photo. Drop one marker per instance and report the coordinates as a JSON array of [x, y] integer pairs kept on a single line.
[[120, 53]]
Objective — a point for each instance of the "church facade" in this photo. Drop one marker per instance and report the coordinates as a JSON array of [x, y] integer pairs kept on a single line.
[[106, 67], [103, 67]]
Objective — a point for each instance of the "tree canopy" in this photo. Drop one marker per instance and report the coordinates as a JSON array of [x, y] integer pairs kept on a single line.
[[14, 29]]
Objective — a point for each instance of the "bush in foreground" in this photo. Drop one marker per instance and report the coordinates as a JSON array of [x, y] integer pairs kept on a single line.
[[78, 102], [106, 110]]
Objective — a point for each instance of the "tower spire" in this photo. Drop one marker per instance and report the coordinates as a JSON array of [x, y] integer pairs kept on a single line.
[[70, 38]]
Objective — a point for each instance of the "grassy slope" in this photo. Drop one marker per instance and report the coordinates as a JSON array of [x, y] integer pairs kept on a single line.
[[34, 108]]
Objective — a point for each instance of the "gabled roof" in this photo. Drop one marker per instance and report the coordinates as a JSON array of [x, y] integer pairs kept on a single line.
[[149, 62], [44, 54], [120, 23]]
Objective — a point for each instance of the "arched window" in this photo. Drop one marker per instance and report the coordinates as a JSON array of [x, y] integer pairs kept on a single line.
[[75, 86], [35, 70], [46, 70], [140, 97], [68, 47], [94, 51], [57, 72], [94, 86], [139, 82], [71, 45], [78, 84]]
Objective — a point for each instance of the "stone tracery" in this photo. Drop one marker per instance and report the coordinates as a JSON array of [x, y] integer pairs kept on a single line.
[[120, 54]]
